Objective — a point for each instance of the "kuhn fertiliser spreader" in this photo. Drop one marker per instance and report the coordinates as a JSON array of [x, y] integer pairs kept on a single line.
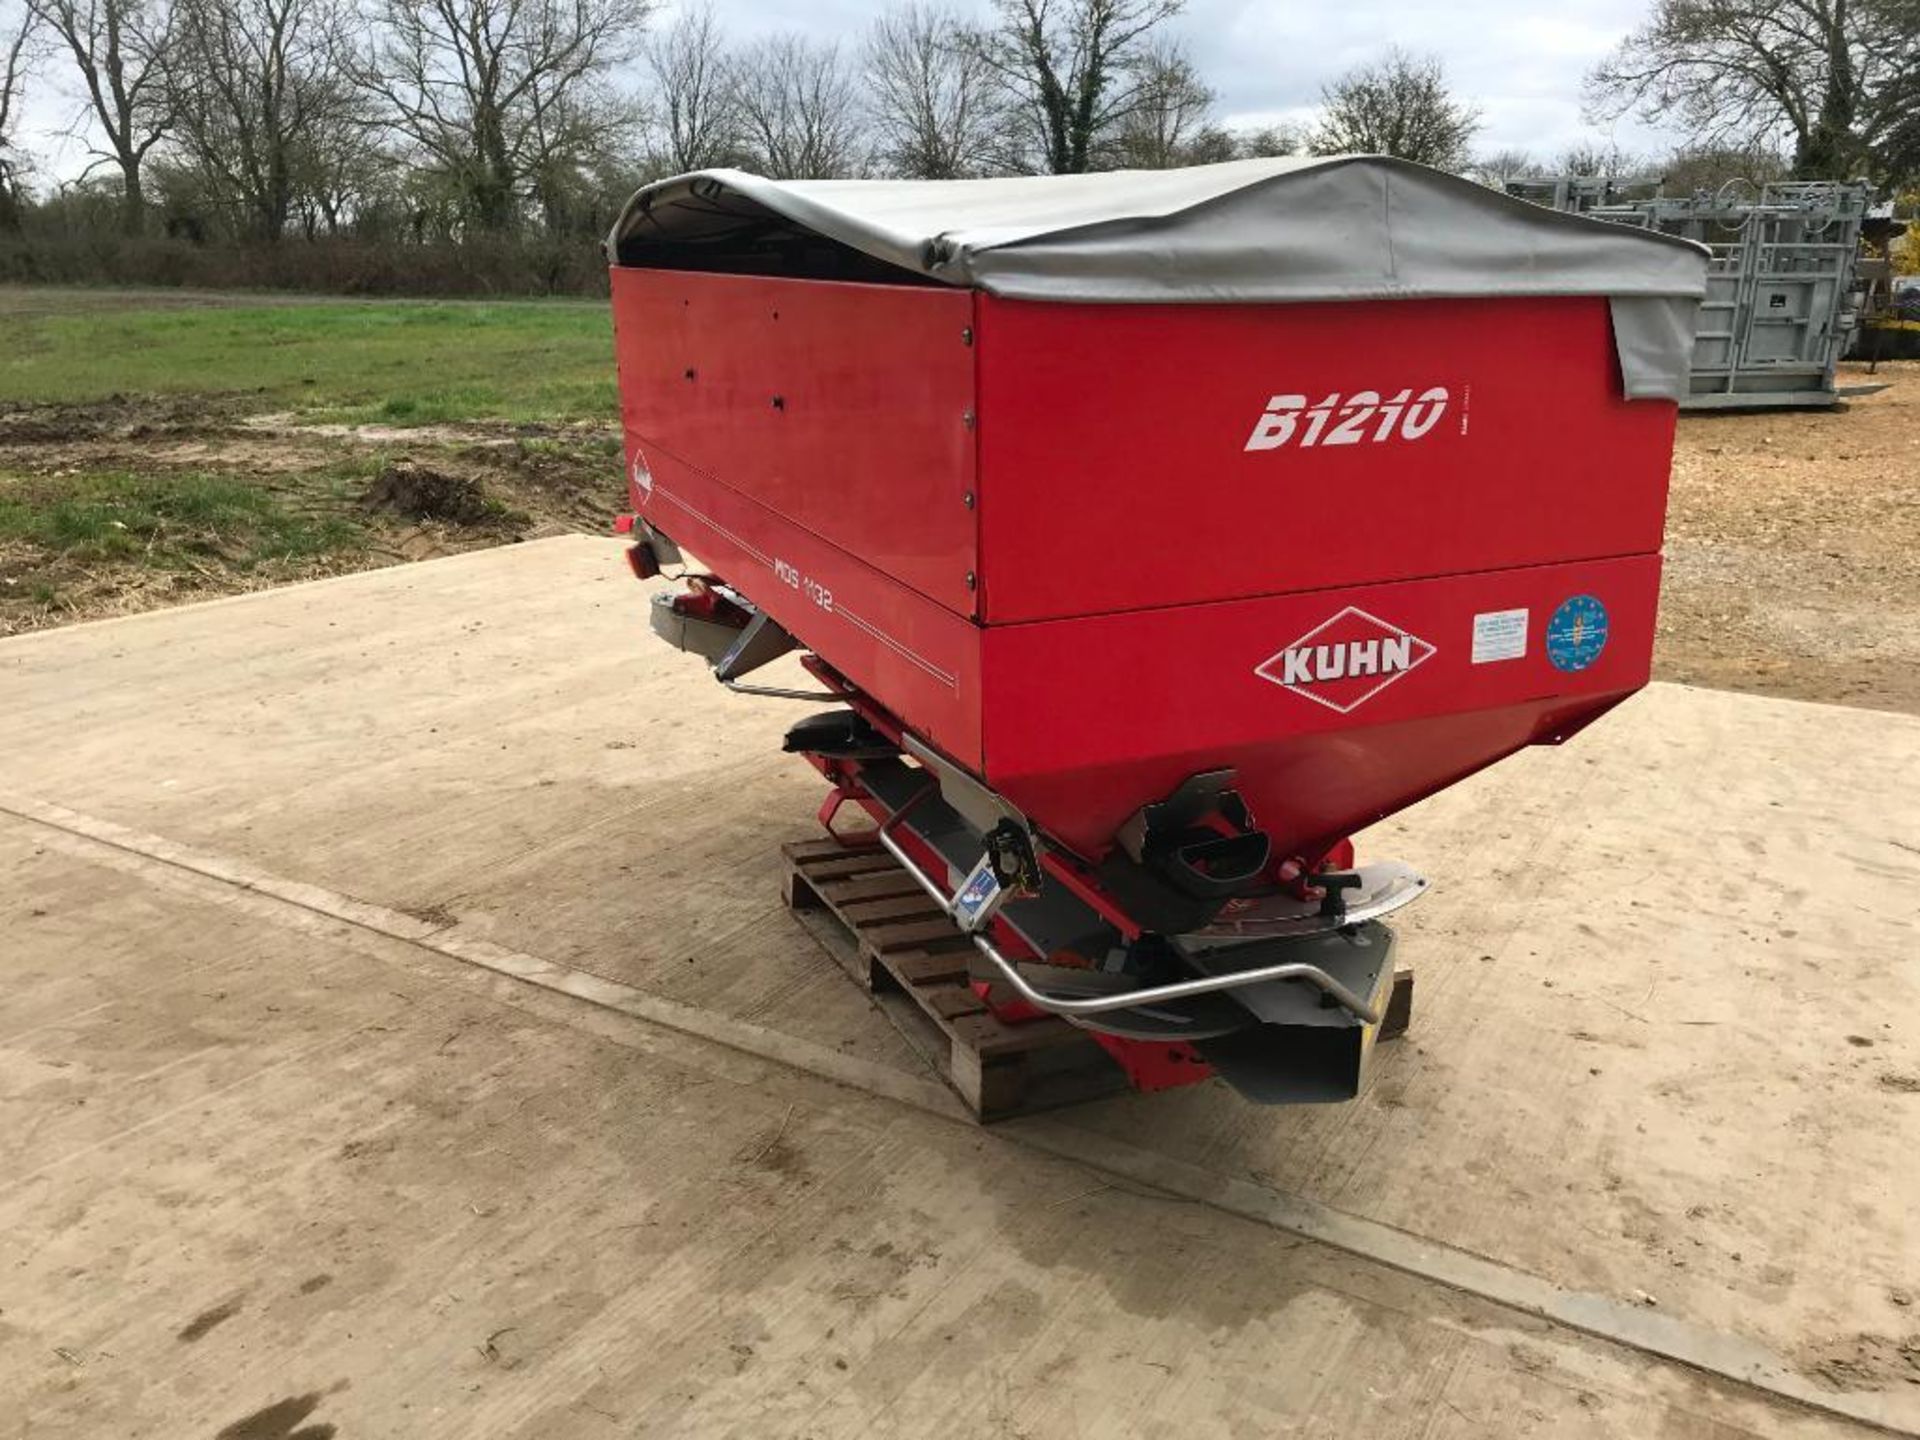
[[1154, 532]]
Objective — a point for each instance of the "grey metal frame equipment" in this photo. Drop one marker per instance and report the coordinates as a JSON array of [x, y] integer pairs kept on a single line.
[[1783, 285]]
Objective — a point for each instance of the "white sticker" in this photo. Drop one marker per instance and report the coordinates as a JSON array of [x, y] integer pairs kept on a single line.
[[1499, 635]]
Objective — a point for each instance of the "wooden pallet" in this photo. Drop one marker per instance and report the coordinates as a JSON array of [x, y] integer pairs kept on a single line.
[[895, 941], [891, 938]]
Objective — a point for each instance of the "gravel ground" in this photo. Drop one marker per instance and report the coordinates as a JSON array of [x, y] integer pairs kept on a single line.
[[1793, 550]]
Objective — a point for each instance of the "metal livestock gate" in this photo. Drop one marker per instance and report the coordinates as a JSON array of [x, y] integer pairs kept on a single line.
[[1783, 290]]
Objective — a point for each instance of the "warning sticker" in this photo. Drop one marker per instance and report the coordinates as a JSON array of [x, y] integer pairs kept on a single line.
[[1499, 635]]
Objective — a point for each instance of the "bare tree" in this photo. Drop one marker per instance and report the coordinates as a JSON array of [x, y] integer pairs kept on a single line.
[[937, 110], [1400, 106], [121, 48], [695, 95], [256, 87], [479, 86], [1498, 167], [1168, 122], [1897, 146], [576, 135], [346, 175], [1074, 68], [1600, 161], [1695, 168], [1266, 141], [1826, 74], [797, 105], [16, 39], [17, 24]]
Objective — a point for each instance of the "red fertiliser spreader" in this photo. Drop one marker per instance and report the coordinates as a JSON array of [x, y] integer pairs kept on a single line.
[[1150, 534]]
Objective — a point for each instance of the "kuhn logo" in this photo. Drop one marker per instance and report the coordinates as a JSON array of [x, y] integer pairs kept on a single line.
[[1345, 661]]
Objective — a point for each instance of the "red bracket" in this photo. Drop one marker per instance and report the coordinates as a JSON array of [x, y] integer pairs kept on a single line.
[[830, 807]]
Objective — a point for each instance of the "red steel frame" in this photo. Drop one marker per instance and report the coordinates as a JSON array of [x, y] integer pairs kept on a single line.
[[1149, 1064]]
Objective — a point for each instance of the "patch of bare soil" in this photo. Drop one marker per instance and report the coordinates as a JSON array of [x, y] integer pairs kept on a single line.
[[381, 498], [39, 590], [286, 424], [1867, 1362], [1793, 550], [420, 492], [121, 417]]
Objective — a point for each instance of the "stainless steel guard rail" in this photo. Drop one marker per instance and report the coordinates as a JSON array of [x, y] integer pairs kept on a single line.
[[1132, 999]]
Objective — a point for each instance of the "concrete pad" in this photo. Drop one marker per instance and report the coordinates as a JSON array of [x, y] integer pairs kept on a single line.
[[267, 1175], [1666, 1010], [1644, 956], [490, 739]]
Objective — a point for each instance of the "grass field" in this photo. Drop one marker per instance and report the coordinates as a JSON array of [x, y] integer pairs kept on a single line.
[[178, 521], [162, 446], [397, 362]]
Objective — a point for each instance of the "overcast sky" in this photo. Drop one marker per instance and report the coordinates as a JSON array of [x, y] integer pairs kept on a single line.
[[1520, 61]]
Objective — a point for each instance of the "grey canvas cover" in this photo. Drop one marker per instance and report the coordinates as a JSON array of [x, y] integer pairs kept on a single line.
[[1285, 230]]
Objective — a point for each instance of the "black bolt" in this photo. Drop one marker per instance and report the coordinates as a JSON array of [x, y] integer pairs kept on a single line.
[[966, 418], [689, 373], [966, 336], [779, 402], [967, 499], [970, 579]]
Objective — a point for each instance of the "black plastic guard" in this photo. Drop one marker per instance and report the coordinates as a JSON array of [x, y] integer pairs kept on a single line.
[[1311, 1050]]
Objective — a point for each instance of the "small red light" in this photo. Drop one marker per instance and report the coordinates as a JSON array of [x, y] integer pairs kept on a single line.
[[701, 604]]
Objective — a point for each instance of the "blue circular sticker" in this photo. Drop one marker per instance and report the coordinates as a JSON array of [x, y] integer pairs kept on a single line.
[[1577, 633]]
